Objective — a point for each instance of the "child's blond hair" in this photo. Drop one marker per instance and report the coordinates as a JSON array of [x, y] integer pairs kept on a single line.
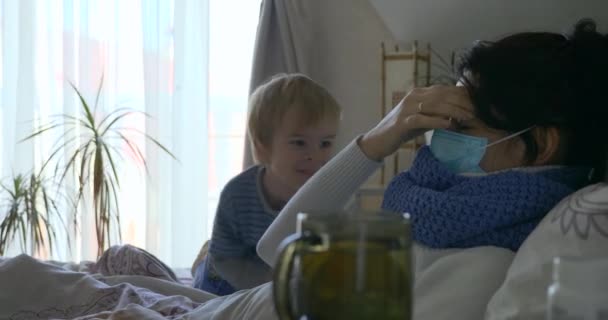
[[269, 103]]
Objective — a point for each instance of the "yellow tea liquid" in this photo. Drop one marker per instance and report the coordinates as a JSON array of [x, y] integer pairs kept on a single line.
[[352, 281]]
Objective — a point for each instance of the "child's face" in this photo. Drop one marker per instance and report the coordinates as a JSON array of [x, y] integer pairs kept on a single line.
[[298, 151]]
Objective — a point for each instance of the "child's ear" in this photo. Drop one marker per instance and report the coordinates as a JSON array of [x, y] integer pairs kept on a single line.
[[261, 152], [548, 141]]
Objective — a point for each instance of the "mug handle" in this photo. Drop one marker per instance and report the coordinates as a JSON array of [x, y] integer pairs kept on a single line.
[[280, 287]]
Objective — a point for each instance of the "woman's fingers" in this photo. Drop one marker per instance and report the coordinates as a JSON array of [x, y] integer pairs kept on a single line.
[[422, 121], [387, 136], [421, 110], [445, 101], [445, 110]]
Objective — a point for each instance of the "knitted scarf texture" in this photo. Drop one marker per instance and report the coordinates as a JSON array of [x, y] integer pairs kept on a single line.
[[458, 211]]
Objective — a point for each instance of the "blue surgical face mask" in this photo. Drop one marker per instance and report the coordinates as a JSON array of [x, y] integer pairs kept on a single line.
[[462, 153]]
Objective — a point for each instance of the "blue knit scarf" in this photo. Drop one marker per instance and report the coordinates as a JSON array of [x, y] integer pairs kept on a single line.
[[456, 211]]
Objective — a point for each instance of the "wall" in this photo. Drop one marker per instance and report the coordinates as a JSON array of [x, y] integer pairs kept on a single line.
[[454, 24], [346, 60]]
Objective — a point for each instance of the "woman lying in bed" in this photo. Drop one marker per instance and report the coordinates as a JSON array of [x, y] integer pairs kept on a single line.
[[523, 128]]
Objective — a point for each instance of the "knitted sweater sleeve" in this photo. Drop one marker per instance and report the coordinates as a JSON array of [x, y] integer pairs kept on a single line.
[[328, 190]]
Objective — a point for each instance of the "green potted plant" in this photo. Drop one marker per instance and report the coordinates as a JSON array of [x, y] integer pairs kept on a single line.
[[29, 208], [447, 70], [94, 160]]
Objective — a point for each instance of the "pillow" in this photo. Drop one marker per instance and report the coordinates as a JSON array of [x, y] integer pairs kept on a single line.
[[576, 227]]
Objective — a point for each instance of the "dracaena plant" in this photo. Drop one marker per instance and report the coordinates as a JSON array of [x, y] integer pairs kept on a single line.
[[31, 211], [93, 161], [447, 73], [443, 70]]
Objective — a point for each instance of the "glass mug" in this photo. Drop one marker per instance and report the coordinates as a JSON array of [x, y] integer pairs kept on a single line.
[[346, 266]]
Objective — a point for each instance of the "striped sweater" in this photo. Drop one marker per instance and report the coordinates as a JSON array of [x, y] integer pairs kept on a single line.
[[242, 217]]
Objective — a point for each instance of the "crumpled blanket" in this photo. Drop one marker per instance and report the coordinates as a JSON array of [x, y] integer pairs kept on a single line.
[[130, 260], [32, 289]]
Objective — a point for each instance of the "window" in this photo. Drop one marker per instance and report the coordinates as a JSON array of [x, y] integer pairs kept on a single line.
[[187, 63]]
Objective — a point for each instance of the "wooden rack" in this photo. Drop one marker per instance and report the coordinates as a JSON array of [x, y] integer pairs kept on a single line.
[[400, 72]]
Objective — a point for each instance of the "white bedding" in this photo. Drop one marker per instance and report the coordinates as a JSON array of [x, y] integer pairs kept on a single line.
[[477, 283], [30, 289]]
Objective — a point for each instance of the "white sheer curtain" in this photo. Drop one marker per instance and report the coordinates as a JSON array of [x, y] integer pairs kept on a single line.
[[177, 91], [154, 57]]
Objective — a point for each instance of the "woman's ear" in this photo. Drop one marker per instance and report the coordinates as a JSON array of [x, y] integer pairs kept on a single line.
[[549, 141]]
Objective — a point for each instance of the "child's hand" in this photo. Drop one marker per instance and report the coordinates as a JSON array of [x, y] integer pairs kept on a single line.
[[421, 110]]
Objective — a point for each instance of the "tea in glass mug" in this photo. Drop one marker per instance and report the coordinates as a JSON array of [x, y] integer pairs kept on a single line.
[[343, 265]]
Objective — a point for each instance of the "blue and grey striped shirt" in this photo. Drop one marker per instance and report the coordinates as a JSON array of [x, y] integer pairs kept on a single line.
[[242, 217]]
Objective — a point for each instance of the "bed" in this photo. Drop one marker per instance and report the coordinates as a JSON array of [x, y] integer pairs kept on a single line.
[[33, 289], [129, 283]]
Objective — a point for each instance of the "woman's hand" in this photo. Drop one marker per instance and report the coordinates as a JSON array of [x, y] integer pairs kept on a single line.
[[421, 110]]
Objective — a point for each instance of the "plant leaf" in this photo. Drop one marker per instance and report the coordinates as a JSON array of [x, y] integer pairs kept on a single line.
[[56, 152], [127, 111], [135, 149], [85, 106], [147, 136], [116, 151], [48, 210], [69, 165], [111, 162], [77, 121], [23, 233], [98, 92], [117, 215], [98, 174], [40, 131]]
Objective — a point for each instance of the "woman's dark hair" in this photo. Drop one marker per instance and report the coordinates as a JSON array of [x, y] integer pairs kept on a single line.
[[547, 80]]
